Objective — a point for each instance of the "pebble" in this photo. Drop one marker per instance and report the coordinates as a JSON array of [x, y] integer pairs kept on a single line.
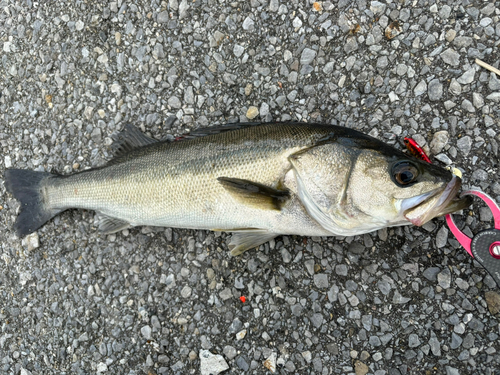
[[435, 90], [444, 278], [361, 368], [211, 364], [450, 57], [146, 332], [439, 140], [321, 280], [493, 302], [252, 112], [270, 362], [464, 144], [307, 56], [467, 77], [248, 24]]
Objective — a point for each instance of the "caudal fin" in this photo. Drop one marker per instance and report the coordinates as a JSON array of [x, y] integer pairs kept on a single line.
[[26, 187]]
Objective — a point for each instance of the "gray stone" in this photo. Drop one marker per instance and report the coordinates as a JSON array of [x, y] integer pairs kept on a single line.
[[377, 7], [450, 57], [211, 364], [444, 278], [229, 351], [399, 299], [351, 45], [413, 341], [238, 50], [456, 341], [467, 77], [435, 90], [421, 88], [248, 23], [174, 102], [146, 332], [163, 17], [431, 273], [439, 140], [435, 346], [307, 56], [274, 5], [464, 144], [321, 280]]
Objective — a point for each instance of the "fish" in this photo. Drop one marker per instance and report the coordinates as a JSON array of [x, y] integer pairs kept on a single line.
[[257, 181]]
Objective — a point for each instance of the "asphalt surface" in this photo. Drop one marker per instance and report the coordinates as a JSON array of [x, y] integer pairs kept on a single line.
[[167, 301]]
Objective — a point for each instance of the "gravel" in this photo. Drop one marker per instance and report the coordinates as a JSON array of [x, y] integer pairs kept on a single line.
[[167, 301]]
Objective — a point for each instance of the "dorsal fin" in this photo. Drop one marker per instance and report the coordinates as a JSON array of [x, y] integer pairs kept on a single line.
[[128, 139], [202, 132]]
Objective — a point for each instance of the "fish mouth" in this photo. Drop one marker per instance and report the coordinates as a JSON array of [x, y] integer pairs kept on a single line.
[[419, 210]]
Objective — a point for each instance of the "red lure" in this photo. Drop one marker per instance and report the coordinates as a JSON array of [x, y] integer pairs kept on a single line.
[[414, 149]]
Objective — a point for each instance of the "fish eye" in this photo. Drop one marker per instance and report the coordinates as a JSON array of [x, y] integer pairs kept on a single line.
[[404, 173]]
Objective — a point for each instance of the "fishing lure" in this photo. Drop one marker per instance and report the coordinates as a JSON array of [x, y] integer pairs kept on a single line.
[[413, 147]]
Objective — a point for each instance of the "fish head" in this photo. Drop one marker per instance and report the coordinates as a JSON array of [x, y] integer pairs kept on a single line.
[[357, 186], [400, 189]]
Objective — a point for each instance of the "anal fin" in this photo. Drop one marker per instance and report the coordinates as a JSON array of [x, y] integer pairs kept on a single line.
[[108, 224], [246, 239], [255, 194]]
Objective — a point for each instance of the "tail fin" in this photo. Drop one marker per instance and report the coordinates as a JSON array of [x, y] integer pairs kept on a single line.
[[25, 186]]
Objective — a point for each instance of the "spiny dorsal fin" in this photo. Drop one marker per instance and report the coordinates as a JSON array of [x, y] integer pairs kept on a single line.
[[255, 194], [202, 132], [128, 139]]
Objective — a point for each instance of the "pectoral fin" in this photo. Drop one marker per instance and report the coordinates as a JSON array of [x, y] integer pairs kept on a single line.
[[255, 194], [246, 239], [108, 224]]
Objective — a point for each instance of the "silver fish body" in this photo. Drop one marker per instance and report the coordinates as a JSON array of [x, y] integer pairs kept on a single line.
[[258, 181]]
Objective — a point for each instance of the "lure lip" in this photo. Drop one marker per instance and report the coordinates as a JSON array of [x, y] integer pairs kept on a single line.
[[419, 210]]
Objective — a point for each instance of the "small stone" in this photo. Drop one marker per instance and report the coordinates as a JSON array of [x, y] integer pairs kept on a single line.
[[270, 362], [435, 346], [441, 237], [297, 22], [174, 102], [456, 341], [494, 97], [450, 35], [307, 56], [321, 280], [493, 302], [413, 341], [31, 241], [146, 332], [450, 57], [163, 17], [421, 88], [439, 140], [467, 77], [241, 335], [238, 50], [477, 100], [455, 87], [186, 292], [101, 367], [399, 299], [360, 368], [248, 24], [377, 7], [211, 364], [229, 351], [351, 45], [444, 278], [252, 112], [464, 144], [435, 90], [79, 25], [274, 5]]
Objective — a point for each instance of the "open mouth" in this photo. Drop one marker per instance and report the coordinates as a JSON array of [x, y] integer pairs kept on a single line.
[[419, 210]]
